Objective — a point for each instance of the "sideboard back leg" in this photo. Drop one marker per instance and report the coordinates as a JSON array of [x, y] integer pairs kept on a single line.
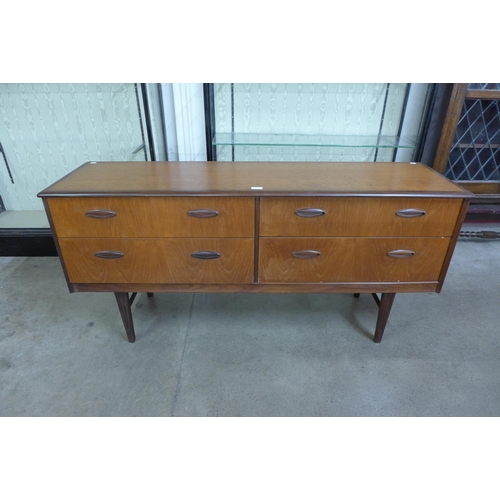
[[123, 302], [376, 299], [383, 315], [150, 294]]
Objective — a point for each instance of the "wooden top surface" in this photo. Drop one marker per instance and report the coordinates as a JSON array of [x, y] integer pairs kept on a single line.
[[238, 178]]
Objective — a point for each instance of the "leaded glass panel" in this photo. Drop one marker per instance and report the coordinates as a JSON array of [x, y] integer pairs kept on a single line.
[[475, 155], [483, 86]]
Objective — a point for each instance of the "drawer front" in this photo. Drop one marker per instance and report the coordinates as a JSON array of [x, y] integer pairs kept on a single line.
[[153, 217], [315, 260], [320, 216], [152, 260]]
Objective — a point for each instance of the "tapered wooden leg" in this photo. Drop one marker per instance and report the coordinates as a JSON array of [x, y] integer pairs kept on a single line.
[[150, 294], [383, 315], [356, 295], [123, 302]]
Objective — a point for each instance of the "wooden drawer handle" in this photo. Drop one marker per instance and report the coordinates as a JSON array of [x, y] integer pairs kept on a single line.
[[306, 254], [205, 255], [410, 213], [101, 214], [109, 254], [309, 212], [401, 254], [203, 213]]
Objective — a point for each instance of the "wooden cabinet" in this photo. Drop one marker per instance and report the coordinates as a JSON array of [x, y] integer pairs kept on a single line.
[[469, 147], [255, 227]]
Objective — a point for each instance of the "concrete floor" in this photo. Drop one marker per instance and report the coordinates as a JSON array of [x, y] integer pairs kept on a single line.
[[65, 354]]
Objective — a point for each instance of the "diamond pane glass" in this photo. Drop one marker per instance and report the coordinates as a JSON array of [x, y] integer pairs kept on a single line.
[[475, 155], [483, 86]]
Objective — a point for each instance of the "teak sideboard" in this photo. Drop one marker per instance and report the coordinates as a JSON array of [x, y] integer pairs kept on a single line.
[[129, 227]]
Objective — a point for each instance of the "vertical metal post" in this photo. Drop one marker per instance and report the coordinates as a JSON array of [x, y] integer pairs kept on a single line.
[[388, 85], [401, 118], [208, 101], [2, 152], [140, 120], [147, 119], [232, 121]]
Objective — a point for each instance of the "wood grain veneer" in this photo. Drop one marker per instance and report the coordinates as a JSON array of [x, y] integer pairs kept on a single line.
[[358, 217], [158, 260], [351, 259], [144, 217], [126, 227], [338, 287], [229, 178]]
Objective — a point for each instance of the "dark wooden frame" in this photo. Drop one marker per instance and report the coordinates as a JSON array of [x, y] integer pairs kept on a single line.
[[460, 92]]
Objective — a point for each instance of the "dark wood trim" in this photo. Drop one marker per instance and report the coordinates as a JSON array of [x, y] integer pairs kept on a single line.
[[45, 192], [256, 240], [480, 187], [483, 94], [458, 184], [125, 307], [324, 194], [56, 242], [450, 125], [124, 303], [384, 311], [388, 287], [483, 212], [451, 248], [237, 178]]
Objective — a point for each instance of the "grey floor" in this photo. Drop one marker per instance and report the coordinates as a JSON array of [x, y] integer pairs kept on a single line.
[[65, 354]]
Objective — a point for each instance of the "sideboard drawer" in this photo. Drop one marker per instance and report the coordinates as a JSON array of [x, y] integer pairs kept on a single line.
[[154, 260], [317, 260], [257, 227], [153, 217], [358, 216]]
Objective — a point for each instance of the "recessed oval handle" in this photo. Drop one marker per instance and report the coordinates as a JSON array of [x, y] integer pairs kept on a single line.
[[309, 212], [205, 255], [203, 213], [306, 254], [109, 254], [401, 254], [101, 214], [410, 213]]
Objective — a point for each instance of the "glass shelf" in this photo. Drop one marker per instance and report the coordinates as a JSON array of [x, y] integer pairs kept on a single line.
[[303, 140]]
